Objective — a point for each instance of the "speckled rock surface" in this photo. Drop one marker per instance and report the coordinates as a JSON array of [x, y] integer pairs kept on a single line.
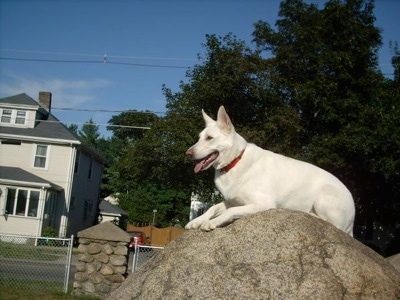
[[395, 261], [276, 254]]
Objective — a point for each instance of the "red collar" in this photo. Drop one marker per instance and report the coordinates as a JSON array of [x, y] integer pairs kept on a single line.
[[232, 163]]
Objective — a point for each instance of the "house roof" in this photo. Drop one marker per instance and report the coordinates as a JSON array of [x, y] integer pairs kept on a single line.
[[49, 127], [20, 99], [106, 208], [18, 176]]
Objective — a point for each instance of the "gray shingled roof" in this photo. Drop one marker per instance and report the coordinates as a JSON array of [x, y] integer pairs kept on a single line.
[[50, 127], [106, 207], [20, 99], [18, 175]]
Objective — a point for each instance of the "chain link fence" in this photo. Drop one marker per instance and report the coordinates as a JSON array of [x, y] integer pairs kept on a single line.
[[35, 263], [143, 253]]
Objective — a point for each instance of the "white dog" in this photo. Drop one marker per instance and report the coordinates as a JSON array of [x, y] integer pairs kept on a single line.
[[252, 180]]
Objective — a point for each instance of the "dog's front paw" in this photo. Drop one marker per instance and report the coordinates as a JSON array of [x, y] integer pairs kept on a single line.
[[190, 225], [208, 226], [194, 224]]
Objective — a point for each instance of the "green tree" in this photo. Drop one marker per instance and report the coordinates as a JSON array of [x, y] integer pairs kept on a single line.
[[149, 172], [128, 127], [90, 133], [131, 125], [73, 128], [321, 67], [234, 75]]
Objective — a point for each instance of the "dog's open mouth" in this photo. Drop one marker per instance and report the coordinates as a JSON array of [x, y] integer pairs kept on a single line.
[[205, 163]]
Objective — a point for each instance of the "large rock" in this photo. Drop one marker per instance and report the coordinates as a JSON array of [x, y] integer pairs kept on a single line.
[[277, 254], [395, 261]]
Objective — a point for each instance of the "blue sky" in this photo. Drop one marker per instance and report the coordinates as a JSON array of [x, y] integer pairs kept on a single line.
[[140, 34]]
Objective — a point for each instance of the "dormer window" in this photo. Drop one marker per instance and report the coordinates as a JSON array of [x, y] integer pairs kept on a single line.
[[13, 116], [6, 116], [21, 117]]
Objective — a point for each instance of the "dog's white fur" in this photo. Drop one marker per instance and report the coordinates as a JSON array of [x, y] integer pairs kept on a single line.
[[264, 180]]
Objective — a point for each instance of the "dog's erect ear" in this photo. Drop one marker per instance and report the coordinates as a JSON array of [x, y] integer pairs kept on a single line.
[[207, 119], [223, 120]]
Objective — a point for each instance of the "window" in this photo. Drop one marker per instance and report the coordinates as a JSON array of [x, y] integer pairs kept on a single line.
[[33, 204], [21, 202], [22, 198], [11, 116], [6, 116], [21, 117], [10, 201], [40, 156]]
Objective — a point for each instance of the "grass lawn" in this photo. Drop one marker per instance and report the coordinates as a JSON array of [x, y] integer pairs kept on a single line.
[[34, 289], [15, 294], [46, 252]]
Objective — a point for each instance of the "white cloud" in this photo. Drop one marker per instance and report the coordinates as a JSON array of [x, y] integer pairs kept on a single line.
[[66, 93]]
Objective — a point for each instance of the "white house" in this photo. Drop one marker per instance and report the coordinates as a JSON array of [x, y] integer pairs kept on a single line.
[[48, 177]]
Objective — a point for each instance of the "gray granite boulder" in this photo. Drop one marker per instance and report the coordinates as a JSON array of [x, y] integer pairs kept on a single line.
[[395, 261], [276, 254]]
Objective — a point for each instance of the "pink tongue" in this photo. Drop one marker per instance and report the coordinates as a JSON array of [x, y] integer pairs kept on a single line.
[[199, 166]]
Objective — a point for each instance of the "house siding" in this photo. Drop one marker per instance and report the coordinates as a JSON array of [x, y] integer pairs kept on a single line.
[[14, 155], [19, 225], [85, 189], [30, 118], [22, 156]]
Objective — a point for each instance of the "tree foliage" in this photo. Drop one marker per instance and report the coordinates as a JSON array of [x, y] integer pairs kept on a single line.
[[90, 133], [73, 128]]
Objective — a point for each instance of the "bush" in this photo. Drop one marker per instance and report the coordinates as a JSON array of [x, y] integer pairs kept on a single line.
[[49, 231]]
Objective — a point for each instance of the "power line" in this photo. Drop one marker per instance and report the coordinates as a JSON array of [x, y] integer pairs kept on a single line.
[[50, 60], [99, 55], [97, 124], [146, 65], [105, 61], [105, 125], [108, 110]]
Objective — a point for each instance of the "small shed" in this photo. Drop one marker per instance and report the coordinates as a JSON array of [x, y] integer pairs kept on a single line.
[[112, 213]]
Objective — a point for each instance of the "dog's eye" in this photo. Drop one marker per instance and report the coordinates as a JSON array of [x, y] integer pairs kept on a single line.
[[209, 137]]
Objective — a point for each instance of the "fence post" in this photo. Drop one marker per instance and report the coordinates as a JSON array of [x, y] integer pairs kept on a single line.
[[68, 264], [135, 257]]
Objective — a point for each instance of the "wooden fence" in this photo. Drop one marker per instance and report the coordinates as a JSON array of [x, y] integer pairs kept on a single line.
[[157, 236]]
